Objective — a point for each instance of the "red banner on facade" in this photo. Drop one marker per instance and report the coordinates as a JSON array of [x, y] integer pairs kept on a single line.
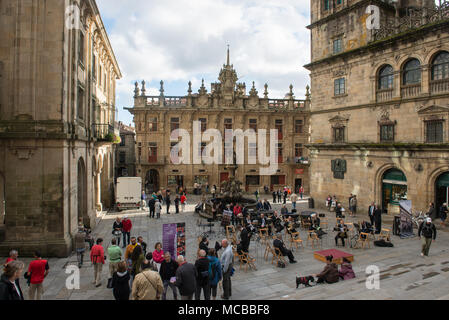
[[299, 171]]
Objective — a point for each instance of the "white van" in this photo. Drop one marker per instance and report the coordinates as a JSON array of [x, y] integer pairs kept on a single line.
[[129, 191]]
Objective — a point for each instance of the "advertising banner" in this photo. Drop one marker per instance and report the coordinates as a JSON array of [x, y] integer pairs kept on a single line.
[[174, 239]]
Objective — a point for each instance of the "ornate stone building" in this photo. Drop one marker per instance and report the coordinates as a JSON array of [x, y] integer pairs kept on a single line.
[[126, 152], [380, 101], [57, 115], [228, 106]]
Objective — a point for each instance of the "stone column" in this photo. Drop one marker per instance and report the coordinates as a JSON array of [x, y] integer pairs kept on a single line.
[[98, 203]]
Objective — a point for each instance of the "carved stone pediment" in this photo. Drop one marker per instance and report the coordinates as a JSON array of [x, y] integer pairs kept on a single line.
[[433, 109], [253, 102]]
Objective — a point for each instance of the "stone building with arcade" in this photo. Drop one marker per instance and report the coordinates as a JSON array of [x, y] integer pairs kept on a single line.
[[57, 123], [380, 102], [228, 105]]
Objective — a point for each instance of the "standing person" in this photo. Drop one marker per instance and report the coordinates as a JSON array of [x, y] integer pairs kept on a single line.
[[127, 225], [158, 209], [378, 218], [143, 244], [301, 191], [129, 250], [443, 213], [432, 213], [185, 278], [115, 256], [144, 200], [245, 238], [285, 196], [256, 193], [214, 191], [177, 200], [80, 245], [13, 255], [168, 272], [279, 195], [294, 198], [428, 230], [120, 282], [371, 209], [349, 201], [202, 276], [38, 271], [97, 258], [117, 230], [137, 258], [147, 285], [168, 201], [274, 196], [151, 205], [215, 272], [158, 255], [338, 211], [183, 202], [9, 282], [227, 263], [353, 205], [329, 202]]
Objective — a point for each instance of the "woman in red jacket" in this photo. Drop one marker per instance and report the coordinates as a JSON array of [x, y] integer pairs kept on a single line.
[[158, 255]]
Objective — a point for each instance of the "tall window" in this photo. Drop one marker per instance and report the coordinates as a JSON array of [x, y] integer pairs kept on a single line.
[[152, 152], [298, 126], [81, 48], [203, 122], [253, 124], [228, 124], [94, 67], [153, 124], [252, 150], [339, 134], [412, 72], [298, 150], [326, 4], [279, 124], [339, 86], [280, 153], [337, 46], [440, 66], [386, 78], [122, 140], [387, 133], [80, 103], [122, 157], [174, 124], [434, 131]]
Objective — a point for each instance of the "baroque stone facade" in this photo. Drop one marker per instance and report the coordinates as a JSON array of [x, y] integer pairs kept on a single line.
[[227, 106], [380, 102], [57, 114]]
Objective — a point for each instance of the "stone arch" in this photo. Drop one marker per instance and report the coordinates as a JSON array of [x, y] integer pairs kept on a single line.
[[433, 53], [379, 178], [431, 183], [82, 192]]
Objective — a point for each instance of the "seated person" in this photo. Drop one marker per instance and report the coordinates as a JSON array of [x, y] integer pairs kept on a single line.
[[259, 205], [366, 227], [342, 233], [346, 271], [266, 205], [278, 243], [330, 272], [245, 238], [291, 225], [284, 210], [315, 226]]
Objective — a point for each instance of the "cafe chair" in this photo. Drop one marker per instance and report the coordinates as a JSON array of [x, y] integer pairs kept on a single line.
[[246, 260], [385, 234]]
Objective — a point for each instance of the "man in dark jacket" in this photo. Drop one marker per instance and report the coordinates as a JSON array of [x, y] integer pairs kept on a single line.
[[274, 196], [177, 200], [279, 244], [377, 218], [330, 272], [266, 205], [151, 205], [244, 238], [168, 202], [167, 272], [428, 230], [185, 278], [202, 276]]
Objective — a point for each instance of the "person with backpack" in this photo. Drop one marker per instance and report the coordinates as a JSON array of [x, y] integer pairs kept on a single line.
[[202, 276], [215, 273], [428, 230]]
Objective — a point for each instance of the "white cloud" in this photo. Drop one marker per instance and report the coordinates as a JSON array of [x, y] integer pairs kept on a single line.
[[181, 40]]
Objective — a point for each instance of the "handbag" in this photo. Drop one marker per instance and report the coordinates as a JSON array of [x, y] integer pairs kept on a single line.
[[109, 286]]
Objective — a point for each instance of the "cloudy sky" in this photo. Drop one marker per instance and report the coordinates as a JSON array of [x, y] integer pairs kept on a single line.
[[181, 40]]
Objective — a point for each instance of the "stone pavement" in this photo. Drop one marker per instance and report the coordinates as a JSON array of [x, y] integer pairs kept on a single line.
[[404, 274]]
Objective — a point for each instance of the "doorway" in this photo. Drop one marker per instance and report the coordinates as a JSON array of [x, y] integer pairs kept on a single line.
[[82, 194], [441, 190], [152, 181], [298, 184], [394, 188]]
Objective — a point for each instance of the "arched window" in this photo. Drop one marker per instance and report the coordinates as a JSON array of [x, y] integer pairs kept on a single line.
[[440, 66], [386, 78], [411, 73]]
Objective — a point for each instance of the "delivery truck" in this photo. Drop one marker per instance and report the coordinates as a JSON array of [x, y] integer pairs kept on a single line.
[[129, 190]]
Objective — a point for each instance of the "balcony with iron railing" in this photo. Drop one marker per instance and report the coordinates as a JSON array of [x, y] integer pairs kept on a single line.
[[105, 132], [298, 161]]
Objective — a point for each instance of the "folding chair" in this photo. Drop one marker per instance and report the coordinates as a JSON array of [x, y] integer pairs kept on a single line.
[[277, 256], [313, 237], [384, 234], [363, 240], [246, 260], [295, 240], [263, 234]]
